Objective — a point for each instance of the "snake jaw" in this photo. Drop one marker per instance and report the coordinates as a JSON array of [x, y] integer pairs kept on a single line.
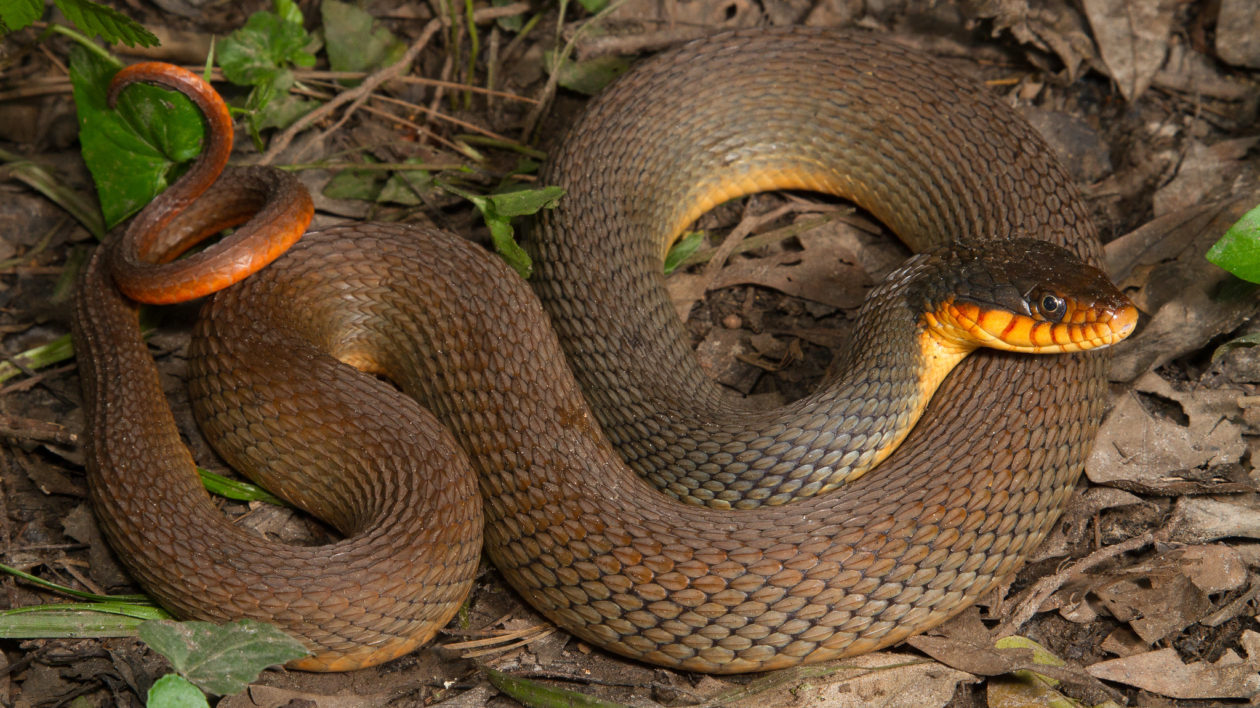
[[1086, 326]]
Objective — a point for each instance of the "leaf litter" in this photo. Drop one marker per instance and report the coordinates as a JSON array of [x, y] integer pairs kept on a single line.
[[1145, 593]]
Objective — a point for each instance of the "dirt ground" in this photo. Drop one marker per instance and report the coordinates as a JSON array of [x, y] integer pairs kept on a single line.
[[1147, 590]]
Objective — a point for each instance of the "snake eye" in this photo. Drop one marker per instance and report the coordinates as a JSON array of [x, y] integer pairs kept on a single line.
[[1053, 307]]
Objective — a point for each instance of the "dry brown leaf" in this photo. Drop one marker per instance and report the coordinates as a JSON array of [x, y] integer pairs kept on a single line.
[[274, 697], [1162, 672], [823, 271], [879, 680], [1132, 36], [1212, 568], [1140, 451], [1238, 33], [1075, 523], [1161, 266], [1155, 605], [1050, 25], [1123, 642], [1197, 520], [1202, 170]]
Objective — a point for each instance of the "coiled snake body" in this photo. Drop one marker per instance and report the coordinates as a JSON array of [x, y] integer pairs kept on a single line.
[[952, 512]]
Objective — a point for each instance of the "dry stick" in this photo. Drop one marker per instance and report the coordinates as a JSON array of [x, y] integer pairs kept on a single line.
[[1047, 586], [549, 90], [638, 43], [356, 75], [358, 95], [472, 127], [420, 129]]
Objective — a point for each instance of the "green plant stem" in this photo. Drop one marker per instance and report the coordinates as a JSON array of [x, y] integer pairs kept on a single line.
[[86, 42]]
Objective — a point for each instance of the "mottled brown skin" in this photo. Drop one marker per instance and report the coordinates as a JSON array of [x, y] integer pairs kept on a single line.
[[954, 511]]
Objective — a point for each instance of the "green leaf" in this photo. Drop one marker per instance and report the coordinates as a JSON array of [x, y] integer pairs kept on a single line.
[[135, 150], [355, 184], [682, 248], [590, 76], [498, 209], [1238, 251], [34, 580], [594, 6], [352, 42], [175, 691], [17, 14], [523, 202], [235, 489], [256, 53], [221, 660], [110, 24], [289, 11], [533, 694], [406, 187], [259, 55], [77, 620]]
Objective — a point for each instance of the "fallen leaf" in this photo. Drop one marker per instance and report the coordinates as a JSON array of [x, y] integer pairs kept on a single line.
[[1155, 605], [1132, 36], [1238, 33], [1197, 519], [1202, 170], [1124, 642], [1162, 268], [1162, 672], [1140, 451], [1212, 568], [257, 696], [883, 679], [1053, 27]]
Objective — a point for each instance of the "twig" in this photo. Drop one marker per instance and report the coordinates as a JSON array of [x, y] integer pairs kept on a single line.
[[359, 94], [1047, 586]]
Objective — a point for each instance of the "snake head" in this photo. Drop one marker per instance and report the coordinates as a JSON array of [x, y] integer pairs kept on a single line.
[[1026, 295]]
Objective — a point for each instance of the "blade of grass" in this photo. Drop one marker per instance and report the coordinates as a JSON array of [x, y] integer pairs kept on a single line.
[[43, 181], [88, 596]]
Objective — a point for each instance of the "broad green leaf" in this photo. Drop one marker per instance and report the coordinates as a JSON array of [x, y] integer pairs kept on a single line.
[[406, 187], [113, 26], [259, 55], [1238, 251], [175, 691], [353, 43], [504, 238], [221, 660], [18, 14], [256, 53], [135, 150], [498, 209]]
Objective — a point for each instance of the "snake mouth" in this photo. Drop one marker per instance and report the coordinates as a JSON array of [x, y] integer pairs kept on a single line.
[[1086, 326]]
